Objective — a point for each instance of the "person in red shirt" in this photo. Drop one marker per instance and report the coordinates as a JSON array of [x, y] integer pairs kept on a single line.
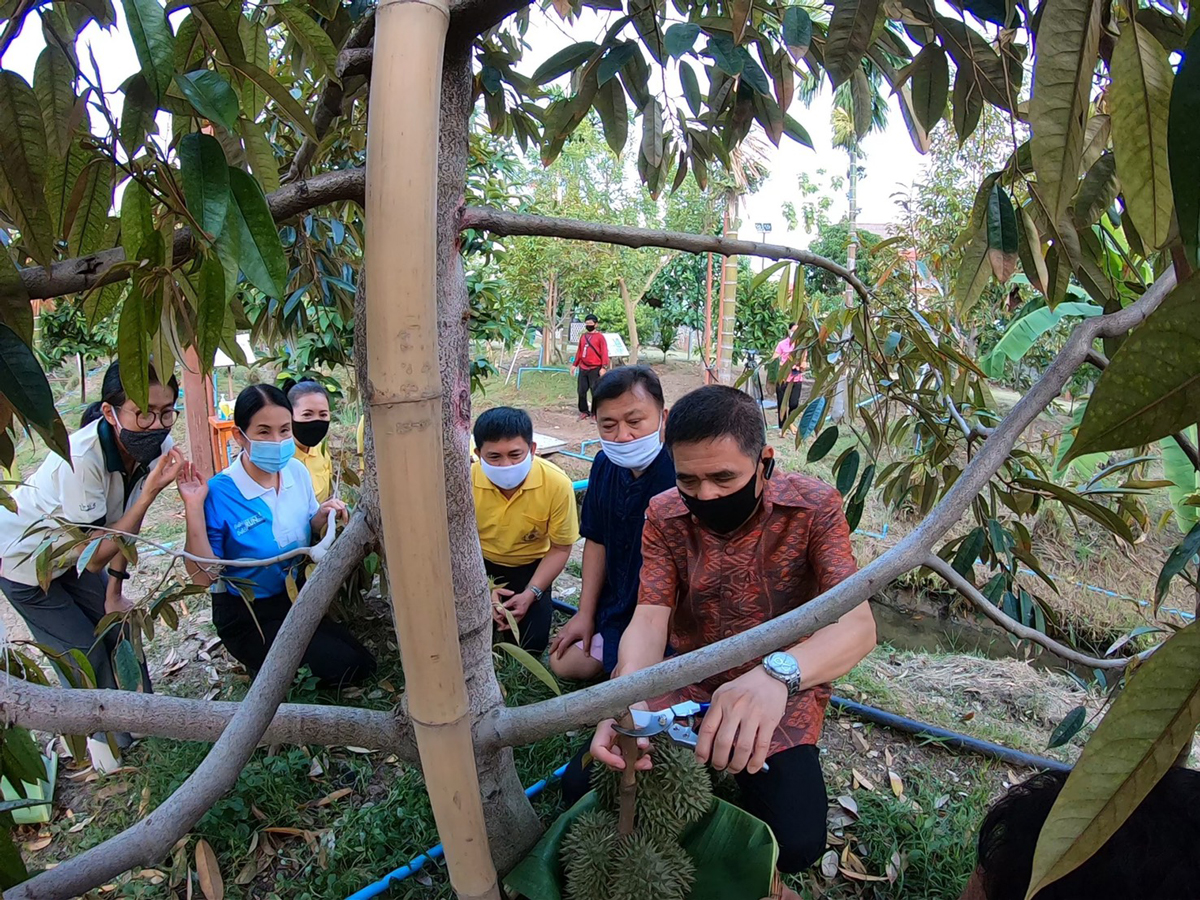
[[591, 362], [738, 544]]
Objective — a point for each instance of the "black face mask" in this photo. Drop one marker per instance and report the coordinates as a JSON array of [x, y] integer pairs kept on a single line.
[[590, 326], [310, 432], [144, 446], [726, 514]]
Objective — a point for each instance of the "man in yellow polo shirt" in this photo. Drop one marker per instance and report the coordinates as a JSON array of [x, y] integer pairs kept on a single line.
[[527, 518]]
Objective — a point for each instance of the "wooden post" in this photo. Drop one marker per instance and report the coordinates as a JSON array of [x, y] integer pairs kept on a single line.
[[404, 394], [197, 407], [708, 358], [727, 307]]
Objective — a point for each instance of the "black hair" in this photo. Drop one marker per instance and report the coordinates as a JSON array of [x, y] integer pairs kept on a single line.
[[112, 392], [303, 388], [254, 398], [502, 423], [591, 317], [714, 411], [1151, 856], [624, 379]]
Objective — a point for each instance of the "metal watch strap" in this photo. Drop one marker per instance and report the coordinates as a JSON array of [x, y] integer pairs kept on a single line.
[[537, 592]]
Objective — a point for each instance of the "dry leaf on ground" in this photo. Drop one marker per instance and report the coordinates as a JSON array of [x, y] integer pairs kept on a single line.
[[209, 873], [829, 864]]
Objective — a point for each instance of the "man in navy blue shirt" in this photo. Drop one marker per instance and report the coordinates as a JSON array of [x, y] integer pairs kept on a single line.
[[632, 467]]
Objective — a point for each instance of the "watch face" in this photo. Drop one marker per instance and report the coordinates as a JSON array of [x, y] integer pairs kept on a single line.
[[783, 663]]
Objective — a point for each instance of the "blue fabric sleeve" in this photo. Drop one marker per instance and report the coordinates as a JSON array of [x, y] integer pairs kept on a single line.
[[214, 522]]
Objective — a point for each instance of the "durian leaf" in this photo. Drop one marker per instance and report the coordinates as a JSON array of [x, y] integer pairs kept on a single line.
[[735, 856]]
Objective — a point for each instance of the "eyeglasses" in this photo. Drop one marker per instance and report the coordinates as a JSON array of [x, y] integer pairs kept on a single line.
[[146, 420]]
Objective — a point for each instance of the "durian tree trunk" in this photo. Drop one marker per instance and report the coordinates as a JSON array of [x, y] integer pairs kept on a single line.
[[513, 827], [405, 390], [630, 322]]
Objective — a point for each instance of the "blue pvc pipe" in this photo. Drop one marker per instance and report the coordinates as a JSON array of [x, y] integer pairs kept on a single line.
[[417, 863], [580, 485], [574, 455]]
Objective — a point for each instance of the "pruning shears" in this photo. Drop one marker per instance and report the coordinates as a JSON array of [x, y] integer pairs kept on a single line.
[[678, 722]]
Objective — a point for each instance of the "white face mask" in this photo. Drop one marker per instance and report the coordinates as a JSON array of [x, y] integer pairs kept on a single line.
[[636, 454], [508, 477]]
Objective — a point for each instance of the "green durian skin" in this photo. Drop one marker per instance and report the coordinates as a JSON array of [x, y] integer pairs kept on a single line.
[[648, 864], [588, 854], [645, 869]]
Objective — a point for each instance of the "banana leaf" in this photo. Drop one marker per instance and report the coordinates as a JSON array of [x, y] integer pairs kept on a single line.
[[1024, 332], [1177, 468], [1083, 467], [735, 856]]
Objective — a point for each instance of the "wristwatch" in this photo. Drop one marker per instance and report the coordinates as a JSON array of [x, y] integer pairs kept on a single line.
[[537, 592], [783, 667]]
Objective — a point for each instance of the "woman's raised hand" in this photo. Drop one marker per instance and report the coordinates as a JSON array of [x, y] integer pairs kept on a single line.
[[192, 488], [343, 512]]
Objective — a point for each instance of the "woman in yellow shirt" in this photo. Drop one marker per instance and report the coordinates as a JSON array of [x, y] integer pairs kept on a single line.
[[310, 425]]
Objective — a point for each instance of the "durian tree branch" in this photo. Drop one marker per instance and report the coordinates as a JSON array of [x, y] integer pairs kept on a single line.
[[524, 724], [507, 224], [1011, 625], [72, 276], [329, 105], [68, 711], [152, 838]]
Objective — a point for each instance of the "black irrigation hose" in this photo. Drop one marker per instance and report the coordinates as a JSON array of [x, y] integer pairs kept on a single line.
[[920, 729], [946, 737]]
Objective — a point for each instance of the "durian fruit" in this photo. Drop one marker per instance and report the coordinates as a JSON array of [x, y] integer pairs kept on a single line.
[[646, 869], [588, 855], [678, 793], [606, 783]]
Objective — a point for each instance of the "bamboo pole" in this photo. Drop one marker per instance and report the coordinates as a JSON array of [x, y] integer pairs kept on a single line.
[[404, 393]]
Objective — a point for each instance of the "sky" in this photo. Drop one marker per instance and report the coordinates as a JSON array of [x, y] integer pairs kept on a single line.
[[889, 158]]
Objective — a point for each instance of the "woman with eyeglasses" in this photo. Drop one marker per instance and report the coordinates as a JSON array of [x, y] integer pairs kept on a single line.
[[121, 460]]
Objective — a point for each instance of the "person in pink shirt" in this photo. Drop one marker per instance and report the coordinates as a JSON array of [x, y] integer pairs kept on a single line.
[[791, 375]]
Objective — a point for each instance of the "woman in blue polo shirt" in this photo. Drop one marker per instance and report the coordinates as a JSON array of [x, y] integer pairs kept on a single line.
[[260, 507]]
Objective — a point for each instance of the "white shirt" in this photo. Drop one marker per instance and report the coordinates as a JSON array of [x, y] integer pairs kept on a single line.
[[91, 490]]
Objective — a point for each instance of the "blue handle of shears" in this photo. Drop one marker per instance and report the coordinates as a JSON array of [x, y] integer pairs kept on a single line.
[[704, 708]]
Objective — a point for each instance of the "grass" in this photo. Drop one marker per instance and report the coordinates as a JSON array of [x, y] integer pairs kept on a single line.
[[922, 838]]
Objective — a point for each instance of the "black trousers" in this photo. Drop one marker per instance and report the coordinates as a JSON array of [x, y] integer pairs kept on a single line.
[[334, 655], [793, 399], [535, 627], [587, 379], [65, 617], [790, 797]]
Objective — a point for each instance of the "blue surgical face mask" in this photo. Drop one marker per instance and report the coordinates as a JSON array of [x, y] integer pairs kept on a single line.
[[272, 456]]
